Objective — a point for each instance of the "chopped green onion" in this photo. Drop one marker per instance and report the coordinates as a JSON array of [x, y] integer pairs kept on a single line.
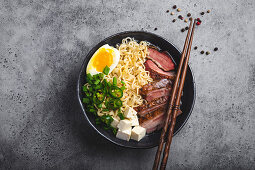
[[87, 94], [123, 88], [107, 119], [97, 81], [114, 81], [90, 89], [89, 77], [85, 100], [106, 128], [106, 70], [114, 131], [101, 94], [95, 77], [93, 111], [100, 105], [101, 76], [121, 116], [109, 84], [84, 88], [99, 86]]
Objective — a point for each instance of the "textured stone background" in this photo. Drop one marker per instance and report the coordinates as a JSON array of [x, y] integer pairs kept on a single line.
[[43, 44]]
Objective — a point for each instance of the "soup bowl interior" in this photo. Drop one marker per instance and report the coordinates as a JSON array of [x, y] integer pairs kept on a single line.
[[187, 100]]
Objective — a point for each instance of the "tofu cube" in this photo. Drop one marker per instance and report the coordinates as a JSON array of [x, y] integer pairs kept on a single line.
[[129, 112], [138, 133], [134, 120], [124, 135], [115, 122], [124, 124]]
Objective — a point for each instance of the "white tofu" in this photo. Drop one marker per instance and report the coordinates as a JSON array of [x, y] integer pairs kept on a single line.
[[124, 124], [134, 120], [138, 133], [115, 123], [124, 135], [129, 112]]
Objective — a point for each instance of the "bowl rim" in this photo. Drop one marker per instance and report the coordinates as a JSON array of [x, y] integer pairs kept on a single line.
[[83, 109]]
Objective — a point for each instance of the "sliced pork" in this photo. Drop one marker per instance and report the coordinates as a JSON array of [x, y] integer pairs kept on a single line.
[[155, 85], [146, 108], [154, 120], [162, 60], [157, 93], [156, 73]]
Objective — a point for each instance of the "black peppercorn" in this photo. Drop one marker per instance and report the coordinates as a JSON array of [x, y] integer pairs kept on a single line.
[[155, 29], [202, 52], [195, 47], [188, 15], [174, 20], [207, 53], [174, 7], [216, 49], [180, 17], [202, 13], [186, 28], [182, 30], [167, 11]]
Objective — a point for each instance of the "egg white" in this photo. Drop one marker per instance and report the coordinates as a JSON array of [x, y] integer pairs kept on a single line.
[[116, 57]]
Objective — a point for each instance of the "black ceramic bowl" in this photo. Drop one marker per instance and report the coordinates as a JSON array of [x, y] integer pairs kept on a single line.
[[188, 98]]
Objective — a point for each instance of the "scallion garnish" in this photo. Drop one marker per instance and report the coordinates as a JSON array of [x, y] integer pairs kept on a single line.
[[101, 94], [106, 70], [114, 81]]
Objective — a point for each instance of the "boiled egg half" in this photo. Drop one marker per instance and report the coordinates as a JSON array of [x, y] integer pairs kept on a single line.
[[105, 56]]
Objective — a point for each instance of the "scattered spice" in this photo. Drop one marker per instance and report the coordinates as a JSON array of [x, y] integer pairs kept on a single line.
[[202, 52], [180, 17], [155, 29], [202, 13], [174, 7], [178, 9], [182, 30], [188, 15], [167, 11], [216, 49], [198, 21], [174, 20], [186, 20], [207, 53], [195, 47], [186, 28], [208, 11], [172, 13]]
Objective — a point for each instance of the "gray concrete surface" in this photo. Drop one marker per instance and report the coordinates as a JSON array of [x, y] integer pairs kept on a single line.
[[43, 44]]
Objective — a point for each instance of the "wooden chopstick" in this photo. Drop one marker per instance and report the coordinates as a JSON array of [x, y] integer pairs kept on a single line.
[[177, 104], [171, 102]]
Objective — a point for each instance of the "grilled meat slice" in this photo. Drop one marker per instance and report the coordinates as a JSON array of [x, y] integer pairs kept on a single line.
[[143, 109], [156, 73], [154, 120], [155, 85], [151, 121], [162, 60], [154, 94]]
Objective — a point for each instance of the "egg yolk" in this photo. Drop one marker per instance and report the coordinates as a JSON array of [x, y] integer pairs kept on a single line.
[[103, 57]]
